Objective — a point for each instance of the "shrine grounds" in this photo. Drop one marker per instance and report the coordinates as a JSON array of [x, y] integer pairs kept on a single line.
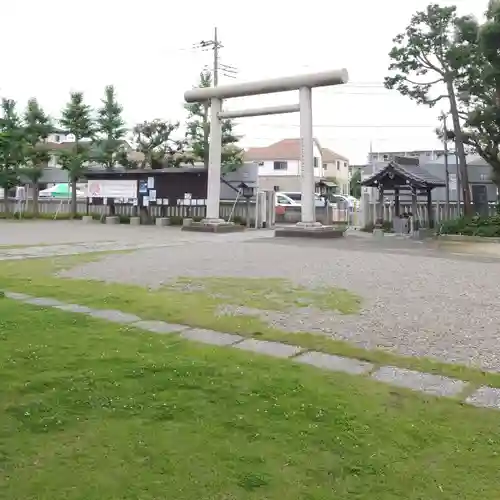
[[97, 408]]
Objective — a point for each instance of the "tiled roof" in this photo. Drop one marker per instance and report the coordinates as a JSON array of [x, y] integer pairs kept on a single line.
[[328, 156], [414, 173], [286, 149]]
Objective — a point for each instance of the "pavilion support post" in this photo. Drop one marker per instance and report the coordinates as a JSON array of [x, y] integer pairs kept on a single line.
[[380, 207], [414, 209], [429, 209], [396, 221], [397, 211]]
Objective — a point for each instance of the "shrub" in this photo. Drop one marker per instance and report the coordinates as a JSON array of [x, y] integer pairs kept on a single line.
[[176, 220], [386, 227], [478, 225], [124, 219]]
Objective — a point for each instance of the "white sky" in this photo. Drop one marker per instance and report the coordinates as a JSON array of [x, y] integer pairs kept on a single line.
[[144, 49]]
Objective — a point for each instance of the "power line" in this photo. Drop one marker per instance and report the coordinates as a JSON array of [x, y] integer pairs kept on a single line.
[[285, 125], [219, 67], [250, 138]]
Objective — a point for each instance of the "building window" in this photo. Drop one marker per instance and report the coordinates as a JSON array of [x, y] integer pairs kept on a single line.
[[386, 157], [338, 165], [316, 162], [325, 166], [276, 188], [280, 165], [483, 177]]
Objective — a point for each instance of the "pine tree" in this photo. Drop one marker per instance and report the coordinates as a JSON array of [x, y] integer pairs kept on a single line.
[[12, 148], [423, 60], [37, 127], [110, 129], [76, 119], [198, 131]]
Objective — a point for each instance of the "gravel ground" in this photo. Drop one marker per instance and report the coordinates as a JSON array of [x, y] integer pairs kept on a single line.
[[76, 232], [418, 301]]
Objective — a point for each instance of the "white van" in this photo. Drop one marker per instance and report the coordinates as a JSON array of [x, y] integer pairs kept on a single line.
[[295, 199]]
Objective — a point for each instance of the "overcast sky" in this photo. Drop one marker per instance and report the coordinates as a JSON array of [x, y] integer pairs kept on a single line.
[[144, 49]]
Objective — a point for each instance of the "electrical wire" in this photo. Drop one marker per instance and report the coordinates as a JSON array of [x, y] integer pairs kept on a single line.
[[296, 125]]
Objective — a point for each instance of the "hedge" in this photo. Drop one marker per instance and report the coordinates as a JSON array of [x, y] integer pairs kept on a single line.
[[488, 227]]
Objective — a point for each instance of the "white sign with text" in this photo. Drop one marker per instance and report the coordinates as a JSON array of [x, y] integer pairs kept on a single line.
[[112, 189]]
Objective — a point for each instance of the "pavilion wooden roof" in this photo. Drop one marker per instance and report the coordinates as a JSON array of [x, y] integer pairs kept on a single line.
[[403, 174]]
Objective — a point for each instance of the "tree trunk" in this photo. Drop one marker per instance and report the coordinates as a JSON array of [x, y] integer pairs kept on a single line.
[[6, 200], [35, 199], [73, 177], [74, 207], [459, 144]]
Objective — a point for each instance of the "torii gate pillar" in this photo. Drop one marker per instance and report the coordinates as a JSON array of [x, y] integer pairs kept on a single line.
[[302, 83]]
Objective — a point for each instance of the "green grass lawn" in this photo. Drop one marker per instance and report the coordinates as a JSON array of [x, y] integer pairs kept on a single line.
[[92, 411], [195, 302]]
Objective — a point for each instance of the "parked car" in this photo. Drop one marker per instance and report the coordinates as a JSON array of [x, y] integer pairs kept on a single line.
[[287, 198]]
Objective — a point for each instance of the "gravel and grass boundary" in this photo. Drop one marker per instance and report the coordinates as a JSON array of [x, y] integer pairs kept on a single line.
[[427, 383]]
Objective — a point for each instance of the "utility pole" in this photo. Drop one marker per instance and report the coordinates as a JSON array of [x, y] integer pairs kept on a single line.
[[447, 173], [216, 58], [218, 67]]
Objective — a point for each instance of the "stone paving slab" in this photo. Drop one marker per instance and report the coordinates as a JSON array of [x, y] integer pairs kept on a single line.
[[210, 337], [159, 326], [43, 301], [485, 397], [276, 349], [335, 363], [75, 308], [114, 316], [17, 296], [436, 385]]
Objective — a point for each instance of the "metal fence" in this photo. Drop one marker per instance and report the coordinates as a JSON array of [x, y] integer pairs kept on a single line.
[[237, 211], [439, 212]]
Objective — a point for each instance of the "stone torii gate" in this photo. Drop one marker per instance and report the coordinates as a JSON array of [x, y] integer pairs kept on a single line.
[[216, 95]]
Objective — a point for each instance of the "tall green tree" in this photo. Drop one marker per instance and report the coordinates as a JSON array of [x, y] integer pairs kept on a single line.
[[156, 144], [12, 148], [479, 86], [355, 184], [424, 68], [110, 130], [198, 131], [77, 120], [37, 128]]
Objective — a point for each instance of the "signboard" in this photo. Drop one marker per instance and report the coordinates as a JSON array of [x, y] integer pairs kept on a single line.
[[112, 189], [452, 182]]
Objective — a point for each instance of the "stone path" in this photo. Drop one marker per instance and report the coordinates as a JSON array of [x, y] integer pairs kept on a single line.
[[435, 385]]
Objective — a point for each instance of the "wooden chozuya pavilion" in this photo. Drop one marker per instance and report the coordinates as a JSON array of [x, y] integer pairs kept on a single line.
[[404, 174]]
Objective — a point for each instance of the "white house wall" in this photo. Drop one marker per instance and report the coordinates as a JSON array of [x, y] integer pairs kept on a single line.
[[293, 166]]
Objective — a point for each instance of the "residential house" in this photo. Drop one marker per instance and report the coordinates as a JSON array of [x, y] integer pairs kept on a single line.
[[423, 156], [60, 140], [336, 167], [279, 164]]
